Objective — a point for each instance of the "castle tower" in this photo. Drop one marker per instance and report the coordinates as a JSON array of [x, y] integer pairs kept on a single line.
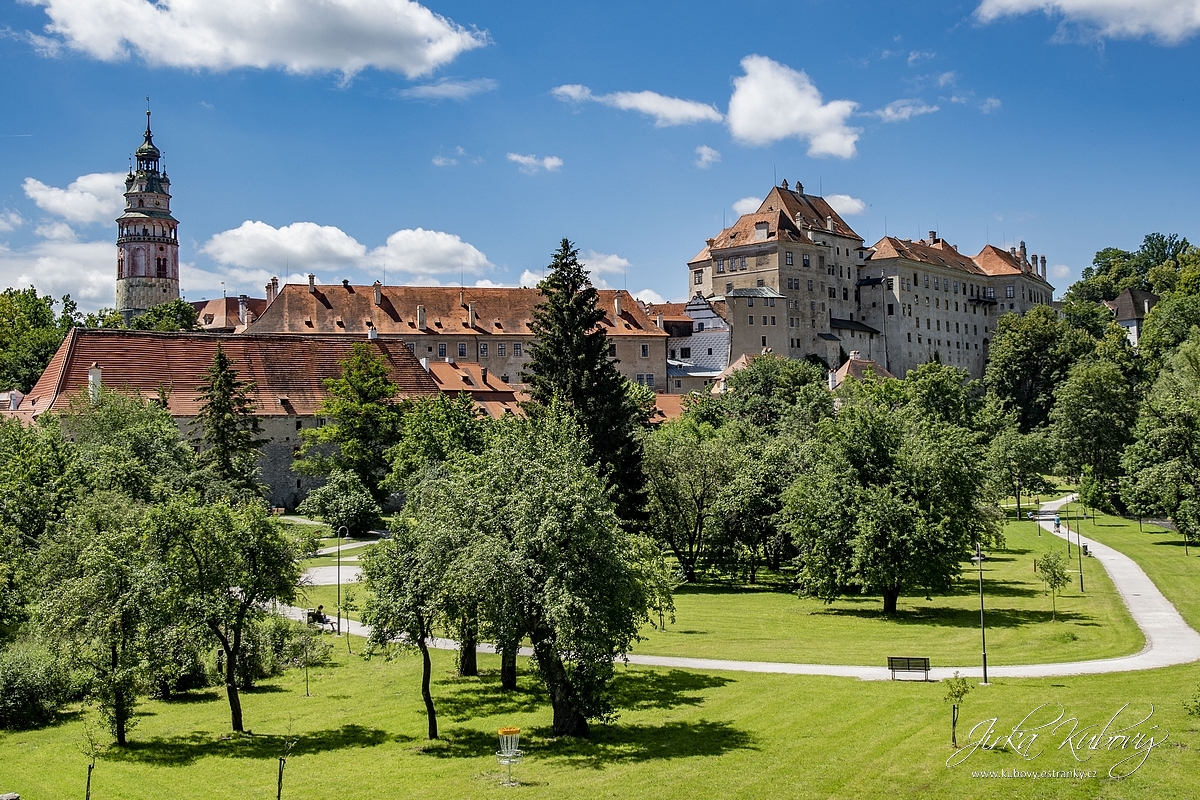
[[147, 237]]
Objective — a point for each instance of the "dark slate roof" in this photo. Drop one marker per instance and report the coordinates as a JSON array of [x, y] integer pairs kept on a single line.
[[1132, 304], [754, 291], [850, 325]]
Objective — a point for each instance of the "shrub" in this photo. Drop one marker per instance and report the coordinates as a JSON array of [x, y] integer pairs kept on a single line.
[[343, 500], [33, 686], [177, 663], [276, 643]]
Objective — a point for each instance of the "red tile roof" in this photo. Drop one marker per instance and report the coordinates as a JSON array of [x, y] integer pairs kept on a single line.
[[288, 371], [491, 394], [225, 312], [939, 253], [667, 407], [994, 261], [857, 368], [346, 309]]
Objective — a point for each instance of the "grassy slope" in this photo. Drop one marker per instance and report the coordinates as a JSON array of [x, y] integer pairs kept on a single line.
[[768, 624], [680, 734]]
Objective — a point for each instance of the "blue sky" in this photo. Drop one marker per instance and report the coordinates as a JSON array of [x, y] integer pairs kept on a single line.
[[460, 140]]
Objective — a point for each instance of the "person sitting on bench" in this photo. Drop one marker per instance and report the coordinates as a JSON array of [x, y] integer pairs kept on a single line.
[[320, 618]]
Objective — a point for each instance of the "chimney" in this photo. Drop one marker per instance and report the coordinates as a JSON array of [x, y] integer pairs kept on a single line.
[[312, 283], [95, 382], [14, 400], [799, 187], [421, 318], [659, 322], [933, 237], [483, 374], [378, 287], [829, 223], [1024, 260], [1043, 267], [462, 297], [709, 242], [470, 315], [372, 334], [831, 377], [784, 184], [1146, 306], [243, 311], [617, 304], [274, 287], [425, 364], [270, 294]]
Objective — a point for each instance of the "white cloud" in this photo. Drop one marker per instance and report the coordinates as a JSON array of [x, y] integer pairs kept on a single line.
[[485, 283], [649, 296], [85, 270], [747, 205], [706, 156], [1169, 21], [443, 161], [918, 56], [945, 79], [846, 205], [1060, 271], [255, 250], [447, 89], [10, 220], [57, 231], [532, 164], [773, 102], [301, 36], [989, 105], [98, 197], [901, 110], [530, 279], [666, 111], [604, 263]]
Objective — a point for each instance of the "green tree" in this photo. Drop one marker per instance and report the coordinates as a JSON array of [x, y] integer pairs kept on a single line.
[[404, 586], [1030, 354], [174, 315], [569, 361], [886, 499], [1017, 463], [30, 334], [767, 390], [434, 430], [956, 690], [944, 393], [687, 464], [366, 422], [1092, 420], [1052, 569], [343, 500], [1163, 461], [223, 566], [99, 602], [1169, 324], [231, 432], [528, 526]]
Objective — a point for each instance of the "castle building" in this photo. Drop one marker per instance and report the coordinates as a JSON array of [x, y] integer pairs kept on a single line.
[[147, 236], [794, 279]]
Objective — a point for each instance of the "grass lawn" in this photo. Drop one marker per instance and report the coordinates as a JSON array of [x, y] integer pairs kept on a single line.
[[312, 596], [1159, 552], [680, 734], [771, 624]]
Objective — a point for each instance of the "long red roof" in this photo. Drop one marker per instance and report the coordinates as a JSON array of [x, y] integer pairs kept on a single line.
[[288, 371]]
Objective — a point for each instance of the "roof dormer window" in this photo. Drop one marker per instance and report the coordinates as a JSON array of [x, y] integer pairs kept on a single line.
[[760, 231]]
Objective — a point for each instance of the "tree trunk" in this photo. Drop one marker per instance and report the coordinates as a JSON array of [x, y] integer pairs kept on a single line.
[[467, 662], [120, 712], [508, 667], [954, 726], [568, 720], [231, 690], [890, 596], [426, 669]]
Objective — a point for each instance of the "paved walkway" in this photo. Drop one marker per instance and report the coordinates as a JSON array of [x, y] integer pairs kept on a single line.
[[1169, 640]]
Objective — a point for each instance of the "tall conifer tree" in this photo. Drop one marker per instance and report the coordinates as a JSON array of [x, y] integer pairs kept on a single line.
[[231, 428], [570, 361]]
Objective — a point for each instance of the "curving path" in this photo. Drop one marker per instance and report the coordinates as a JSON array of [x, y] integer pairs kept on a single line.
[[1169, 639]]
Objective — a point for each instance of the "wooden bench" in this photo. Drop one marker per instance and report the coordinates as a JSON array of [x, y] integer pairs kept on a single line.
[[908, 664]]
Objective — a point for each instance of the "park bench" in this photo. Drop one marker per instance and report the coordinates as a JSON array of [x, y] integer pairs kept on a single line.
[[310, 617], [908, 664]]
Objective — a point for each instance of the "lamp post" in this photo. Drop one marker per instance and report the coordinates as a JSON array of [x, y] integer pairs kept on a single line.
[[339, 577], [978, 559], [1079, 541]]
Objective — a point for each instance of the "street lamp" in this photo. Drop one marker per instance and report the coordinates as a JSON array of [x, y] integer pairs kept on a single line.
[[978, 559], [339, 577], [1079, 541]]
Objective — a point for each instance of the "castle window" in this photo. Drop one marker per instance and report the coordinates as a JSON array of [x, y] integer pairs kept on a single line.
[[483, 350], [787, 258], [804, 260], [502, 350], [462, 349], [517, 349], [441, 349]]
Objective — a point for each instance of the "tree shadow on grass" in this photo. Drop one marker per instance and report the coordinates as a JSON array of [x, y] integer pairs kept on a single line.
[[188, 748], [644, 688], [608, 745], [198, 696], [775, 587], [968, 618], [482, 696], [994, 588]]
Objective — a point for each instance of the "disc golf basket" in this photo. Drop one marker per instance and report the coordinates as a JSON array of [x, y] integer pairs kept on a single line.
[[509, 752]]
